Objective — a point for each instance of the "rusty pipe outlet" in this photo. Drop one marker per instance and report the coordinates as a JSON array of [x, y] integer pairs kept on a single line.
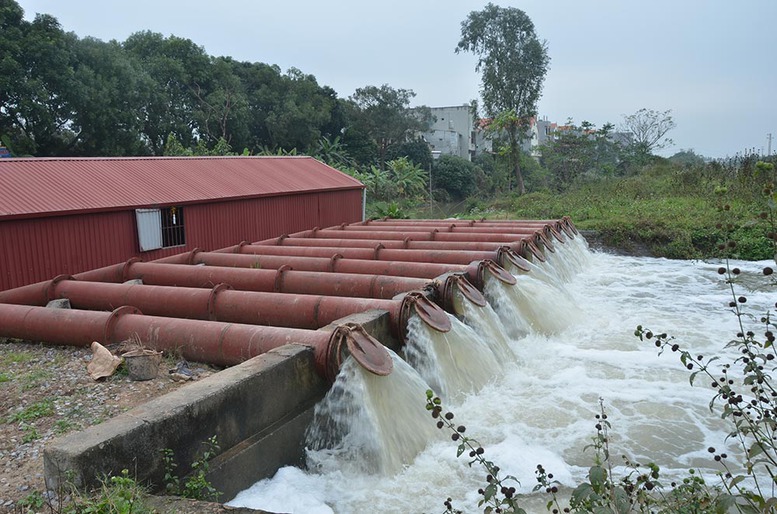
[[352, 339], [429, 312], [458, 282]]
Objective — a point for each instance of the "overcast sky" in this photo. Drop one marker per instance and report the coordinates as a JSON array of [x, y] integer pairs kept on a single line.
[[712, 62]]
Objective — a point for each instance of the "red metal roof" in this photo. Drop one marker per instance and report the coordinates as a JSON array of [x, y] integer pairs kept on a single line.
[[33, 186]]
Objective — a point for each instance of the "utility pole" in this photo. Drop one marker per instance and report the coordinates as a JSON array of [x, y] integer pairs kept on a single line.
[[769, 143]]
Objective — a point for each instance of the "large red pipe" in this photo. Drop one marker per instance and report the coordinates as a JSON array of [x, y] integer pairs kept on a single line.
[[249, 307], [523, 248], [502, 255], [565, 220], [547, 229], [431, 235], [282, 280], [222, 344], [536, 234], [561, 225], [474, 271]]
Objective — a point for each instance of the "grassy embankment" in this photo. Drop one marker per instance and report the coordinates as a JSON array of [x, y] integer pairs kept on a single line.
[[674, 212]]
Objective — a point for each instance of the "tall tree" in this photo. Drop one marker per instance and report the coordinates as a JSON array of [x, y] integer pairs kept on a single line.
[[112, 89], [648, 129], [222, 107], [513, 62], [385, 114], [177, 66], [36, 82], [296, 120]]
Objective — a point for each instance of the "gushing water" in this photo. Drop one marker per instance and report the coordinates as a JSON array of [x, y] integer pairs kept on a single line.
[[369, 423], [531, 305], [486, 323], [541, 409], [567, 260], [453, 363], [537, 271]]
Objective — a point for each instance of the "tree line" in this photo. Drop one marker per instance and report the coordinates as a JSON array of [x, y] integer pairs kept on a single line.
[[62, 95]]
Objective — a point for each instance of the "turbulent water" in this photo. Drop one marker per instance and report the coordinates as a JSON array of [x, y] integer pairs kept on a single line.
[[571, 333]]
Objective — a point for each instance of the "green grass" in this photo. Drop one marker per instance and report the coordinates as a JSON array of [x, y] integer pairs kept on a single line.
[[672, 214], [20, 357], [41, 409], [35, 378]]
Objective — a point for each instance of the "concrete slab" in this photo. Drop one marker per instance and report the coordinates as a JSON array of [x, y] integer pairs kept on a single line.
[[261, 406]]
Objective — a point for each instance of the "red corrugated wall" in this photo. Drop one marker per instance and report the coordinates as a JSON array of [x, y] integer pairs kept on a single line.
[[33, 250]]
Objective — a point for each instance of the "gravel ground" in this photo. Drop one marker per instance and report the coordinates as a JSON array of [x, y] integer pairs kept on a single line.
[[46, 392]]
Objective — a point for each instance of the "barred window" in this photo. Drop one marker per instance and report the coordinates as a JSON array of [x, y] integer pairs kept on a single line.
[[173, 233]]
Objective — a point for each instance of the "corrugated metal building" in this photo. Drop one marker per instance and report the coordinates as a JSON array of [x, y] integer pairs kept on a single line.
[[68, 215]]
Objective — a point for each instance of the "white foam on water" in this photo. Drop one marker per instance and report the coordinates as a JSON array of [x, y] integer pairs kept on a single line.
[[540, 409], [531, 306], [369, 423]]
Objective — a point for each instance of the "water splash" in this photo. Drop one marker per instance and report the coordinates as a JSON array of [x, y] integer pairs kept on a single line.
[[486, 323], [568, 259], [369, 423], [454, 363], [542, 412], [537, 270], [531, 306]]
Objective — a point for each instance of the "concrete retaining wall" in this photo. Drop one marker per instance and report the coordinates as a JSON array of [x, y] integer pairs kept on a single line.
[[258, 411]]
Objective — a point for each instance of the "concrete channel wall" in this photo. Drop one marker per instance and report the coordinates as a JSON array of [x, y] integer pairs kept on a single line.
[[258, 411]]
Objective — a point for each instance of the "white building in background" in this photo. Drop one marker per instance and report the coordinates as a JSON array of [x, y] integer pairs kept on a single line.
[[455, 131]]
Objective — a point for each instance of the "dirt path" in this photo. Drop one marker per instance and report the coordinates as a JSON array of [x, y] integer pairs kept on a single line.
[[46, 392]]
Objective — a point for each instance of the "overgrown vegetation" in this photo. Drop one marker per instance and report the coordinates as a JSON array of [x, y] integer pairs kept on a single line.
[[123, 494], [195, 486], [668, 209]]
